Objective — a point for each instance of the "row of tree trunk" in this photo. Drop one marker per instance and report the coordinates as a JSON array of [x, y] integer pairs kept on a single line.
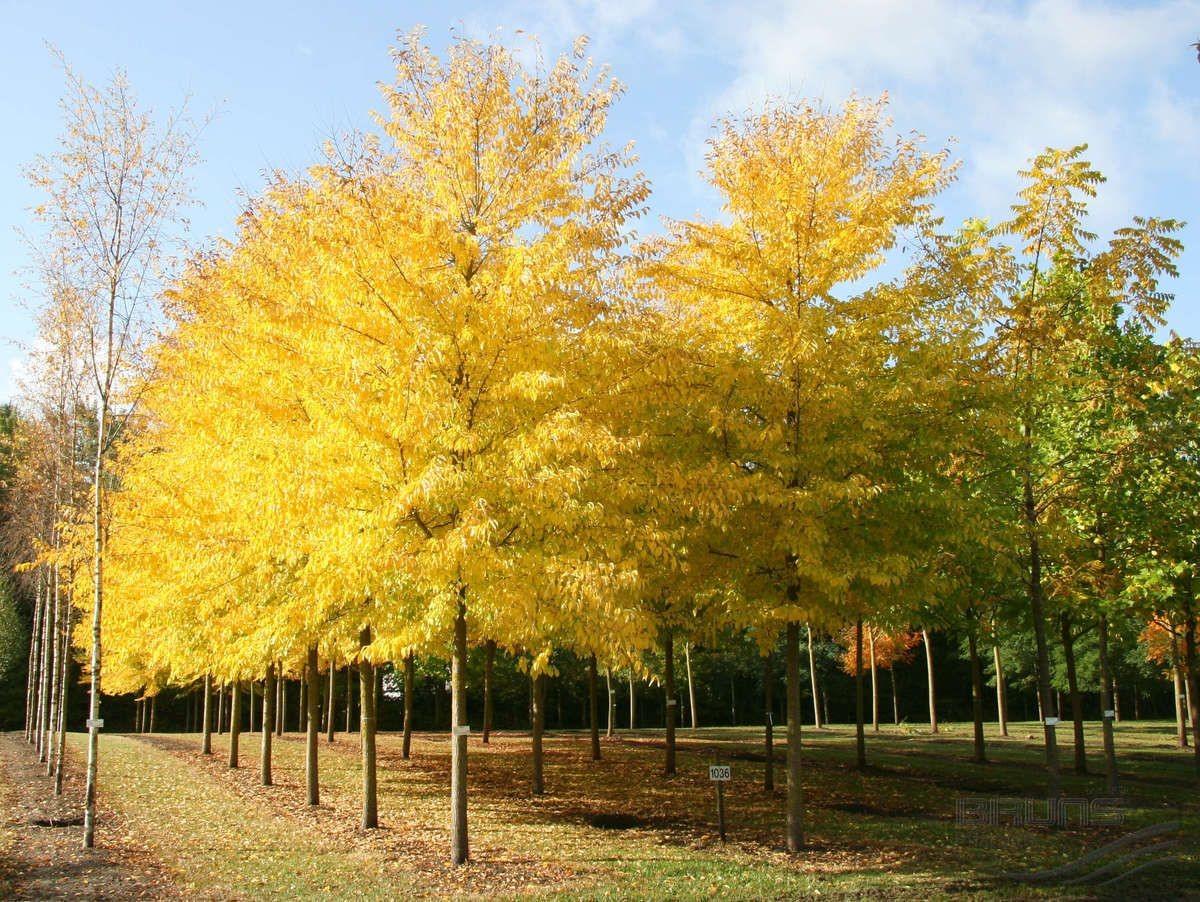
[[48, 675]]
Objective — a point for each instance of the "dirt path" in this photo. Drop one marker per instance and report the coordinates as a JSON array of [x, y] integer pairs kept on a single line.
[[44, 862]]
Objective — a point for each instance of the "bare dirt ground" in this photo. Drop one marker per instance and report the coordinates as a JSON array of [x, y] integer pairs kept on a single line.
[[48, 862]]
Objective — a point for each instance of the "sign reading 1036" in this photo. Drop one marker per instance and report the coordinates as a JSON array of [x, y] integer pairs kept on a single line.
[[719, 773]]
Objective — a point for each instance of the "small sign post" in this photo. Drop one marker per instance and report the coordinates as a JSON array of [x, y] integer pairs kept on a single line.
[[720, 774]]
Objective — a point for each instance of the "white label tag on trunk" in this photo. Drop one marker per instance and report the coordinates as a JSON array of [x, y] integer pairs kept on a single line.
[[98, 723], [462, 729], [719, 773], [1053, 721], [1110, 713], [672, 702]]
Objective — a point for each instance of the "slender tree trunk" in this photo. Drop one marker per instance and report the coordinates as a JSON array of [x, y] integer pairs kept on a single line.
[[206, 735], [489, 665], [55, 651], [632, 701], [860, 739], [281, 700], [611, 726], [769, 725], [64, 697], [46, 691], [812, 672], [153, 711], [874, 680], [1116, 700], [980, 754], [270, 695], [593, 708], [351, 673], [35, 661], [410, 682], [459, 851], [250, 696], [302, 702], [687, 663], [1190, 662], [1181, 738], [1068, 640], [672, 702], [330, 727], [1107, 713], [94, 672], [895, 696], [312, 725], [366, 686], [235, 721], [795, 797], [539, 726], [221, 709], [933, 722], [1001, 694], [1037, 612]]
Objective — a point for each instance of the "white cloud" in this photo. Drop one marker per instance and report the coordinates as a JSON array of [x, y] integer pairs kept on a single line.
[[1006, 80]]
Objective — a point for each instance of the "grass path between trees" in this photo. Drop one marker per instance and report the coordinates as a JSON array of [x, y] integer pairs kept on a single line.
[[890, 830]]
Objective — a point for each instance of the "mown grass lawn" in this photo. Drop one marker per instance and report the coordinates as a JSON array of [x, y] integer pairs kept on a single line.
[[888, 831]]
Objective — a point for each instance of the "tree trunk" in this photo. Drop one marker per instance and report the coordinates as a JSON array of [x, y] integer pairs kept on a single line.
[[351, 673], [250, 694], [539, 726], [632, 701], [489, 664], [410, 682], [46, 690], [32, 705], [860, 739], [302, 701], [94, 672], [1068, 640], [672, 702], [1107, 713], [1001, 694], [312, 725], [895, 696], [874, 680], [459, 851], [593, 708], [206, 726], [220, 709], [64, 696], [933, 723], [1116, 700], [55, 648], [795, 798], [366, 689], [268, 726], [687, 663], [611, 726], [330, 727], [980, 755], [1190, 662], [235, 721], [280, 700], [812, 672], [1037, 612], [153, 711], [1181, 738], [769, 725]]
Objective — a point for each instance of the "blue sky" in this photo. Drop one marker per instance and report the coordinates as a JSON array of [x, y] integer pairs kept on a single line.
[[1000, 80]]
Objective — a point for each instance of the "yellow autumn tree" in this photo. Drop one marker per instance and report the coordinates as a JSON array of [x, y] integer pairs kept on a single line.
[[809, 378]]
